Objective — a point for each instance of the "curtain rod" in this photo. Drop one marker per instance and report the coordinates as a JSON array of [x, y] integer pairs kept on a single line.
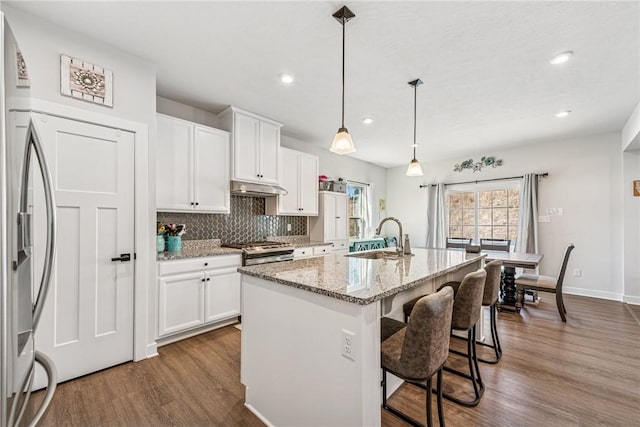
[[541, 175], [358, 182]]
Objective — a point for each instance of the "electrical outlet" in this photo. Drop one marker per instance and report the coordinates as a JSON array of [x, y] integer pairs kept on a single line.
[[555, 211], [577, 272], [544, 218], [288, 227], [348, 344]]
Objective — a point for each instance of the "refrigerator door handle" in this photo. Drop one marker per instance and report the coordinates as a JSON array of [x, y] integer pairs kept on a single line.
[[24, 242]]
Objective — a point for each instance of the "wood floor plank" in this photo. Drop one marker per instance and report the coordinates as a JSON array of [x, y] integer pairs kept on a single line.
[[582, 373]]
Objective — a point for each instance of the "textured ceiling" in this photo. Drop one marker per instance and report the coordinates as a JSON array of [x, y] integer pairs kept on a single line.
[[488, 82]]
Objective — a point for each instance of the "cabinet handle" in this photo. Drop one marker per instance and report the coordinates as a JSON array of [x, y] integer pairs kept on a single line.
[[197, 203], [203, 280], [206, 264], [208, 278], [192, 203]]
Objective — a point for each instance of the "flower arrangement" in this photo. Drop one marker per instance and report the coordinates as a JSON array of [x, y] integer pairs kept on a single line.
[[171, 229], [477, 166]]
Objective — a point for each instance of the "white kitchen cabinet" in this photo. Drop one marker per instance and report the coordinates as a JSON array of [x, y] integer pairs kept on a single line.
[[309, 251], [331, 224], [298, 174], [196, 292], [255, 145], [192, 167], [222, 296]]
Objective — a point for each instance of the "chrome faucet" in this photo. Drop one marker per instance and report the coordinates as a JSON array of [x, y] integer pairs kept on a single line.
[[397, 221]]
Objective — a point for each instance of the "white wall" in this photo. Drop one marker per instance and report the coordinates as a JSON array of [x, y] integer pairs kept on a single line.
[[186, 112], [337, 166], [584, 179], [134, 95], [631, 131]]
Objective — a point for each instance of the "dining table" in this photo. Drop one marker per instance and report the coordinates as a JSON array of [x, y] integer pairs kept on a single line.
[[510, 298]]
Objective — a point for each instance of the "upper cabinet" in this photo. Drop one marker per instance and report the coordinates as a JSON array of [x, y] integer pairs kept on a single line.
[[255, 144], [192, 167], [298, 174], [331, 225]]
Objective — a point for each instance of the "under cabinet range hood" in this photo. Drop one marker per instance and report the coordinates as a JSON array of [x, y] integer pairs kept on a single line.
[[240, 188]]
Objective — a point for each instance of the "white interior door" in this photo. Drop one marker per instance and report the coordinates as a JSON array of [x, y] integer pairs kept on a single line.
[[87, 322]]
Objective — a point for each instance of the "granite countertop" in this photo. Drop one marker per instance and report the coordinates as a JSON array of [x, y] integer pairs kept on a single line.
[[198, 249], [361, 280], [301, 241]]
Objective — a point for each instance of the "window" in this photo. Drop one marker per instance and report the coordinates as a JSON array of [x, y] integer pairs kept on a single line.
[[357, 209], [489, 213]]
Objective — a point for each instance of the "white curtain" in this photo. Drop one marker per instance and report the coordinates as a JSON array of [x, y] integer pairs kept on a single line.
[[528, 215], [436, 217], [368, 211]]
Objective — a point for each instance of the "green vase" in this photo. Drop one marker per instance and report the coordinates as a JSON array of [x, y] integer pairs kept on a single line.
[[174, 243]]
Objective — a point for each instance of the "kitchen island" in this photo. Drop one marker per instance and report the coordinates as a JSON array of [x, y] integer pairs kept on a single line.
[[311, 331]]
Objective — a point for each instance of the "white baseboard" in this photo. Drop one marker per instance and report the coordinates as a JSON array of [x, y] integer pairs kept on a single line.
[[591, 293], [255, 412], [631, 299], [152, 350]]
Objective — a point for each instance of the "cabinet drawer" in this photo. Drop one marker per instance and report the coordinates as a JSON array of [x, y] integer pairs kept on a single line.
[[198, 264], [322, 250], [303, 252]]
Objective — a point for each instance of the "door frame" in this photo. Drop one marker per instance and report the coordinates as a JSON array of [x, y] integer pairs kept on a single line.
[[144, 344]]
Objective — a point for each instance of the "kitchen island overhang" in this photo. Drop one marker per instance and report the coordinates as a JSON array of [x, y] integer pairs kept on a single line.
[[311, 331]]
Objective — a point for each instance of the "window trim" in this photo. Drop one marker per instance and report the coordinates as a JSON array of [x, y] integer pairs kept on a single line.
[[476, 187]]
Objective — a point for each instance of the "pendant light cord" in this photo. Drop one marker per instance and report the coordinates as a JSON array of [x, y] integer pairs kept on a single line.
[[344, 22], [415, 109]]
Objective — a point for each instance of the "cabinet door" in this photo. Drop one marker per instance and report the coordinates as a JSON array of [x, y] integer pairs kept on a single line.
[[222, 294], [329, 216], [308, 182], [246, 153], [180, 302], [342, 219], [269, 152], [211, 170], [174, 165], [289, 169]]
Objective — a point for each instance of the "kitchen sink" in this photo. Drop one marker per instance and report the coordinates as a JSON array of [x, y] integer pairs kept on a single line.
[[376, 255]]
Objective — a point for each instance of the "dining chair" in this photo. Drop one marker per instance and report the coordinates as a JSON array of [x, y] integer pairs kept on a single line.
[[541, 283], [503, 245], [417, 350], [458, 242]]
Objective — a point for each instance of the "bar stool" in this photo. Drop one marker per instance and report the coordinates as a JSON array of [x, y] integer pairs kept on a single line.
[[467, 307], [417, 350], [490, 299]]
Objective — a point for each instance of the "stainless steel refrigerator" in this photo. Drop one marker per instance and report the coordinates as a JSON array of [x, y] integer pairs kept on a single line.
[[22, 295]]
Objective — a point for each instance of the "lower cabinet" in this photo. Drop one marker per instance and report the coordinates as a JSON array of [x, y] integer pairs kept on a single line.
[[193, 293]]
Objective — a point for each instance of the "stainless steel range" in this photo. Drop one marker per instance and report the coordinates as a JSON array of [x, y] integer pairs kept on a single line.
[[254, 253]]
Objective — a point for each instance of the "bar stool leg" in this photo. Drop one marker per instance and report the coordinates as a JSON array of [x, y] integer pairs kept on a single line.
[[439, 392], [428, 399]]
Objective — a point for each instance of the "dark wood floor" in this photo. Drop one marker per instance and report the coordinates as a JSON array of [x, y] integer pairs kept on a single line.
[[582, 373]]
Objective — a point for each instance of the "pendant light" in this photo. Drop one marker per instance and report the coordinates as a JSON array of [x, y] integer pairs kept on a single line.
[[342, 142], [414, 168]]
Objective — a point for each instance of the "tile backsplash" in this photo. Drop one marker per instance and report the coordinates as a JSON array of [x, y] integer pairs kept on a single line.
[[246, 222]]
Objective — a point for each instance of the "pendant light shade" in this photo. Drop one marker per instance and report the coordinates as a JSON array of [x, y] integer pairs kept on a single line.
[[414, 168], [342, 142]]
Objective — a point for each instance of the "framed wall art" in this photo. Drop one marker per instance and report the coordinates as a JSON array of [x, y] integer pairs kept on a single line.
[[82, 80], [22, 74]]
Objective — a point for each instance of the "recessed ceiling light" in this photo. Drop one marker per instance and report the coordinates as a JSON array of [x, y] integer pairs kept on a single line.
[[367, 120], [561, 58], [286, 78], [563, 114]]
